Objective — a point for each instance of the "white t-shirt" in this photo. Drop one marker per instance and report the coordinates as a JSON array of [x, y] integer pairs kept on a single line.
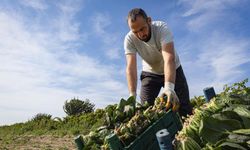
[[150, 52]]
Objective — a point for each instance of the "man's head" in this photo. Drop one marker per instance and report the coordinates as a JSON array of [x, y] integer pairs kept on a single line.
[[140, 24]]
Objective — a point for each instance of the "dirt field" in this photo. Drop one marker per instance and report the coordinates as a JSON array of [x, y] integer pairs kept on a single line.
[[44, 142]]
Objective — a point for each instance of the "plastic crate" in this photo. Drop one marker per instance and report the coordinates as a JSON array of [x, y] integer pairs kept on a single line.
[[147, 140]]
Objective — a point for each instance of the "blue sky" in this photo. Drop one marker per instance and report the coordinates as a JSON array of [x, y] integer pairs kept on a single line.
[[55, 50]]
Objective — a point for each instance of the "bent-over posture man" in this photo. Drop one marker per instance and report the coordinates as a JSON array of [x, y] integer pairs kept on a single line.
[[153, 41]]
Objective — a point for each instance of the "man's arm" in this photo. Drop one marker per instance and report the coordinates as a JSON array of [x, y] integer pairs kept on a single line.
[[169, 62], [169, 76], [131, 72]]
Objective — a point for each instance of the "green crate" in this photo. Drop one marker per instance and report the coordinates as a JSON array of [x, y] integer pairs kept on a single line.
[[79, 142], [147, 140]]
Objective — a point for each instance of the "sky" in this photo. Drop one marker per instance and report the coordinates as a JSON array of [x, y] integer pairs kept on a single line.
[[55, 50]]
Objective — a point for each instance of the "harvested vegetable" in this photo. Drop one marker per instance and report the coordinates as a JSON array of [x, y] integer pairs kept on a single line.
[[223, 123]]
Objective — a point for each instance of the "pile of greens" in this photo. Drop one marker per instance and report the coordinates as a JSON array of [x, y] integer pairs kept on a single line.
[[127, 120], [223, 123]]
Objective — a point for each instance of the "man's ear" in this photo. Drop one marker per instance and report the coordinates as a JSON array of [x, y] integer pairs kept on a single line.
[[149, 20]]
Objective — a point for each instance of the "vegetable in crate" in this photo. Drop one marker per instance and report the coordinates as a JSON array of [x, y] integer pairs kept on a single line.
[[129, 131], [144, 116]]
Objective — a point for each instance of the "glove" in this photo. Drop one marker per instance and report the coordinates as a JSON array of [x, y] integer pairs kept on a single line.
[[132, 94], [172, 98]]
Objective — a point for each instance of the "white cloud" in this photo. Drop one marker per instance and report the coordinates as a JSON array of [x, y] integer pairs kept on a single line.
[[203, 12], [201, 6], [35, 4], [113, 53], [70, 7], [225, 55], [219, 61], [41, 69], [68, 29], [100, 24], [217, 56], [200, 21]]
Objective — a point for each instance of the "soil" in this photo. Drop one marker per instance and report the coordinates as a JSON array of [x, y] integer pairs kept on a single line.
[[43, 142]]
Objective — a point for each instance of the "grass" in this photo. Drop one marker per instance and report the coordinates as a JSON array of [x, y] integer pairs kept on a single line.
[[48, 133]]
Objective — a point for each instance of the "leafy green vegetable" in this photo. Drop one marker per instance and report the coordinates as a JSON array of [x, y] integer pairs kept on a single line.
[[224, 115], [229, 146], [242, 131], [212, 129], [244, 114]]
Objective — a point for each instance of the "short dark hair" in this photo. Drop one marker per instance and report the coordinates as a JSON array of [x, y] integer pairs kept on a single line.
[[136, 12]]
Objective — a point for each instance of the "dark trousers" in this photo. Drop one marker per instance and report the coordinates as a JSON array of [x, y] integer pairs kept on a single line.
[[151, 85]]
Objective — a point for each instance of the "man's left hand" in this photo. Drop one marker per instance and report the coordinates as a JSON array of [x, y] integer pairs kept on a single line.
[[172, 98]]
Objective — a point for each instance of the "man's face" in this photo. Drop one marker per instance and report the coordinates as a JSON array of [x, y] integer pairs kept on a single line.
[[141, 28]]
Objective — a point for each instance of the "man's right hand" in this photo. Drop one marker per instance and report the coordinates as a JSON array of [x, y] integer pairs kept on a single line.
[[131, 74]]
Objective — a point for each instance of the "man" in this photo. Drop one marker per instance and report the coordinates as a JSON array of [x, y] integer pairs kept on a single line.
[[153, 41]]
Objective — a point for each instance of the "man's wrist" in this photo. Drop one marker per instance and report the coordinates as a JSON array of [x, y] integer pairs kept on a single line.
[[169, 86], [132, 93]]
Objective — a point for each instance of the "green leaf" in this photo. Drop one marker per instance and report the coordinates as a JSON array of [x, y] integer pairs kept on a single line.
[[242, 131], [244, 114], [212, 129], [237, 138], [229, 145], [129, 111], [224, 115], [131, 101], [248, 142], [121, 105], [242, 111]]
